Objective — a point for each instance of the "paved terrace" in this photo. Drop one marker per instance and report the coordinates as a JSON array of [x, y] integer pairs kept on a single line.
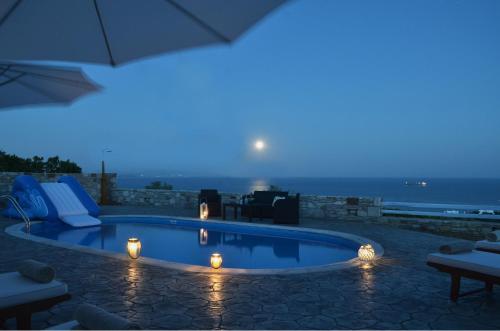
[[398, 292]]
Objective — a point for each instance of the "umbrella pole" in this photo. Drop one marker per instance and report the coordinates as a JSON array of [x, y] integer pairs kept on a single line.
[[104, 183]]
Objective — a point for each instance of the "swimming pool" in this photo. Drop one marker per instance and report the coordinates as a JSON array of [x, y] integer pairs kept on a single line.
[[189, 243]]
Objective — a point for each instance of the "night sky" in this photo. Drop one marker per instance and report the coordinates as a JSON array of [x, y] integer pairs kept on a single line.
[[333, 88]]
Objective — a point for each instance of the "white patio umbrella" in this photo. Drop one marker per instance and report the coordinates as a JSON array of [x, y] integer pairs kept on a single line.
[[27, 84], [117, 31]]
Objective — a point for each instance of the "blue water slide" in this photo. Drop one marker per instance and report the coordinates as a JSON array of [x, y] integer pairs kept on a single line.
[[81, 194], [32, 198]]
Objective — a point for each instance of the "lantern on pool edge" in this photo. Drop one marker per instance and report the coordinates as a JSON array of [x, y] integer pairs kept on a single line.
[[366, 253], [203, 211], [203, 237], [134, 247], [216, 260]]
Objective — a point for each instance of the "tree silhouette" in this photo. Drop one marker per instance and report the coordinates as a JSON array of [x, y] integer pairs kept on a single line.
[[36, 164]]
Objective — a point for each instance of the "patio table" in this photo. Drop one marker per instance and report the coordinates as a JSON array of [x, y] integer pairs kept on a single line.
[[233, 205]]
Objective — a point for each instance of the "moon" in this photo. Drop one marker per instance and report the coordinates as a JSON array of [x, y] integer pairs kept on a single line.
[[259, 145]]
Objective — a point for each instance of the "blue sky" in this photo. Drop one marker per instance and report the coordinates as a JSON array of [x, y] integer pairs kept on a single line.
[[335, 88]]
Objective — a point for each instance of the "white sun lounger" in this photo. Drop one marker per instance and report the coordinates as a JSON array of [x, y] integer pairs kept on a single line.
[[488, 246], [20, 297], [482, 266], [71, 325], [68, 206], [89, 317]]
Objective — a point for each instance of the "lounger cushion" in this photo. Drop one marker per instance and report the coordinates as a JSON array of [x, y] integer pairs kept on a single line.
[[16, 289], [482, 262], [493, 236], [80, 220], [94, 318], [37, 271], [456, 247], [71, 325], [491, 245]]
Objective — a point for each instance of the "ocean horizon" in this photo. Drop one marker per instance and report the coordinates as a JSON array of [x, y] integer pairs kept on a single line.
[[483, 191]]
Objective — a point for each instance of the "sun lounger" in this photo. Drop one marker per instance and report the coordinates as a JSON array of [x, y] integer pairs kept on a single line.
[[71, 325], [488, 246], [90, 317], [20, 297], [476, 265]]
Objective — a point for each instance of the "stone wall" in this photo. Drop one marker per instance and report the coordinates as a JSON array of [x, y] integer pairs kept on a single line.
[[311, 206], [162, 198], [328, 207], [91, 182]]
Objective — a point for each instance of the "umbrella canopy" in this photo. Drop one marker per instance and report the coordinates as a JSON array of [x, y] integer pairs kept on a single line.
[[115, 32], [27, 84]]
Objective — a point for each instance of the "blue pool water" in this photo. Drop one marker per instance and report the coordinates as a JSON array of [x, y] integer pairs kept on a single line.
[[192, 242]]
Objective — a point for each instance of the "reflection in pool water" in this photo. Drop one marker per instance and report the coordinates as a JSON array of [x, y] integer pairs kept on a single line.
[[187, 242]]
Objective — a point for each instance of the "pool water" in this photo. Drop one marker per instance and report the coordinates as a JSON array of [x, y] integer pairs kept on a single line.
[[192, 242]]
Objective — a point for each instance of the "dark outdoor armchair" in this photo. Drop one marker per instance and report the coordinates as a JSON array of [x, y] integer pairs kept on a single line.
[[260, 205], [213, 199], [286, 211]]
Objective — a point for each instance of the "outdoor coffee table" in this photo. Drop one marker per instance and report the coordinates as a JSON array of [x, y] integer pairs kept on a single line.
[[233, 205]]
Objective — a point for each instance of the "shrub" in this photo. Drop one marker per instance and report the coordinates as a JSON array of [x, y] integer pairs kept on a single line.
[[274, 188], [36, 164], [157, 185]]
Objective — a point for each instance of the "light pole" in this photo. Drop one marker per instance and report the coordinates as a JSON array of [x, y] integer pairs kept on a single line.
[[104, 188]]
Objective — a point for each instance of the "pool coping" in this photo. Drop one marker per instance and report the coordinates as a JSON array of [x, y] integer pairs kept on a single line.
[[16, 231]]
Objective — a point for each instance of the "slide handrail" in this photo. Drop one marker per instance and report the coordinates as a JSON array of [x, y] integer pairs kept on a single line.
[[19, 209]]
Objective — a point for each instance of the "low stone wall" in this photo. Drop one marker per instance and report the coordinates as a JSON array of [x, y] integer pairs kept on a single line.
[[162, 198], [91, 182], [311, 206], [328, 207]]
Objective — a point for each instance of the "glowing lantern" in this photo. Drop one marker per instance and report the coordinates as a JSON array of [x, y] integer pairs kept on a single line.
[[366, 253], [203, 237], [203, 211], [134, 247], [216, 260]]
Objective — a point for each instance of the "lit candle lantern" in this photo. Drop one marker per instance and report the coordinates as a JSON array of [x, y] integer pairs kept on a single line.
[[134, 247], [203, 211], [366, 253], [203, 237], [216, 260]]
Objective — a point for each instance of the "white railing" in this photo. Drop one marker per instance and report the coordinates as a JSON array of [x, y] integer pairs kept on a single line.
[[491, 212]]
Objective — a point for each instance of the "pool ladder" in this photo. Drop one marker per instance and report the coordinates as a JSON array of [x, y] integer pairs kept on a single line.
[[18, 208]]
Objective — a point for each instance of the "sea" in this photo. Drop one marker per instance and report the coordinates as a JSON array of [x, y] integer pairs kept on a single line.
[[437, 190]]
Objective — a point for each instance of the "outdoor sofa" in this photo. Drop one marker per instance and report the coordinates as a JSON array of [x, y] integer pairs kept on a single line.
[[277, 205]]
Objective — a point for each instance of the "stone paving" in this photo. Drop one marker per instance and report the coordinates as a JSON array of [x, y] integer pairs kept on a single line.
[[397, 292]]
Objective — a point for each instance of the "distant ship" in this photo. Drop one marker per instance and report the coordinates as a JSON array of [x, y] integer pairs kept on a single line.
[[420, 183]]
